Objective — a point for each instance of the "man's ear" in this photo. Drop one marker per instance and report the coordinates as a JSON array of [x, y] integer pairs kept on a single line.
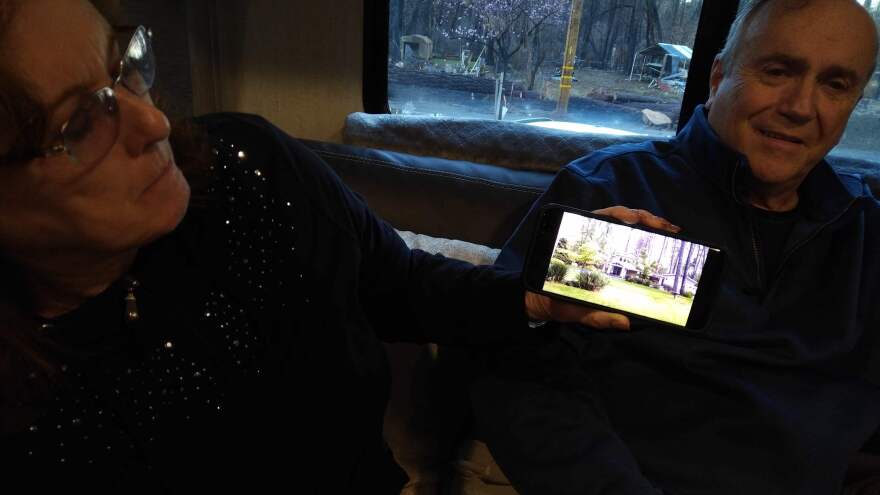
[[715, 78]]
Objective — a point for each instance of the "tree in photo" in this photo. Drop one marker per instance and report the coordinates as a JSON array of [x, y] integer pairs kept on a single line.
[[588, 254], [645, 267]]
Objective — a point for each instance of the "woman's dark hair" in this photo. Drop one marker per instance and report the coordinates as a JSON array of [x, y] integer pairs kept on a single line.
[[26, 368]]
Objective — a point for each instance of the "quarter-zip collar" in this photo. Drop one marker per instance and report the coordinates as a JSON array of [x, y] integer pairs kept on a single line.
[[824, 195]]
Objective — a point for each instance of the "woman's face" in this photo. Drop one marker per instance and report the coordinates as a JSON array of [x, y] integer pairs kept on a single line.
[[64, 50]]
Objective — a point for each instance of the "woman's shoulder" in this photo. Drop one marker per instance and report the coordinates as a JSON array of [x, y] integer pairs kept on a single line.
[[262, 181], [244, 125], [251, 146], [252, 140], [251, 136]]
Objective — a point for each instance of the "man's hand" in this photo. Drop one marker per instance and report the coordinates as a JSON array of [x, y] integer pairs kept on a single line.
[[540, 307]]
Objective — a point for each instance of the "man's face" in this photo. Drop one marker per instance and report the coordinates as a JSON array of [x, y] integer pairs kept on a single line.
[[797, 77]]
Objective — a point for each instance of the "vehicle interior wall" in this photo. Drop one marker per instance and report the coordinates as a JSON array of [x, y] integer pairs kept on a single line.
[[299, 64]]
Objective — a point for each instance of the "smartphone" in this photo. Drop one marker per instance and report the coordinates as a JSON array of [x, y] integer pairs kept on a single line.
[[601, 262]]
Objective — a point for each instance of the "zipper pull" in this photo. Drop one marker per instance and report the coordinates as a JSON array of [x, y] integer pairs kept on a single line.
[[131, 309]]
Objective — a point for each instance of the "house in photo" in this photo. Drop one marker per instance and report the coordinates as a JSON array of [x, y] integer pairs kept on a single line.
[[621, 265]]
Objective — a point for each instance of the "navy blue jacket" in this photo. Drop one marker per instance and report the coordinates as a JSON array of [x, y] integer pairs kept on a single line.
[[773, 396]]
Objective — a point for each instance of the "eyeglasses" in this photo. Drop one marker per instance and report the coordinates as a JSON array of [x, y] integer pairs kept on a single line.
[[94, 126]]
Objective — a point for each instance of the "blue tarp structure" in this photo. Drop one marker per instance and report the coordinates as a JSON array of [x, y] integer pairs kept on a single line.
[[660, 60]]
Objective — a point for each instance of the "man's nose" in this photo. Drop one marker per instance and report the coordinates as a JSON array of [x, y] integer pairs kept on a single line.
[[142, 124], [798, 102]]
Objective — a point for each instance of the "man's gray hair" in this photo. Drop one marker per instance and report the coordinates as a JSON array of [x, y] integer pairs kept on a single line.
[[738, 29]]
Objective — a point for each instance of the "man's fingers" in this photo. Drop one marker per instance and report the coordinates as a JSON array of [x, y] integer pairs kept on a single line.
[[634, 216], [541, 307], [603, 319]]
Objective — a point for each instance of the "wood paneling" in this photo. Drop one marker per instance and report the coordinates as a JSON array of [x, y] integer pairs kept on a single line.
[[298, 63]]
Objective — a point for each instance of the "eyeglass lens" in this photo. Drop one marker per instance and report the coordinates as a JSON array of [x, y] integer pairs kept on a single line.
[[93, 128]]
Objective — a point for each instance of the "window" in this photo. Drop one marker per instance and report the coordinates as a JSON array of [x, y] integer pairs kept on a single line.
[[860, 140], [504, 59]]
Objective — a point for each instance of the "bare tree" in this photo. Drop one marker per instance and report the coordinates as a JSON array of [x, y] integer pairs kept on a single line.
[[503, 26]]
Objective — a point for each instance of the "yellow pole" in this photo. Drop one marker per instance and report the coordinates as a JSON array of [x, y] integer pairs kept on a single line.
[[574, 25]]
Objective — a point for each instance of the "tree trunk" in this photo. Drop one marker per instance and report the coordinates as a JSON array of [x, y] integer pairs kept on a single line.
[[632, 35], [675, 276], [500, 57], [610, 33], [684, 270], [588, 18], [420, 18], [703, 255], [490, 53], [653, 27], [663, 250], [683, 29], [676, 4], [697, 5], [533, 60], [395, 28]]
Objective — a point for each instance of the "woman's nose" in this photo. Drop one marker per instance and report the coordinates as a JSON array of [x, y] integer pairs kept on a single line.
[[141, 124]]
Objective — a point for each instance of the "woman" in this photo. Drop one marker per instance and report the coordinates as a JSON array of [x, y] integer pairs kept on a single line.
[[149, 345]]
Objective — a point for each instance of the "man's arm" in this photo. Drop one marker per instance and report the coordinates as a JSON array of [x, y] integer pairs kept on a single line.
[[544, 426]]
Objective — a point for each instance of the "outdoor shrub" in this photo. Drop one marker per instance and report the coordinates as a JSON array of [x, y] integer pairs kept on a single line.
[[637, 278], [687, 293], [591, 279], [557, 271]]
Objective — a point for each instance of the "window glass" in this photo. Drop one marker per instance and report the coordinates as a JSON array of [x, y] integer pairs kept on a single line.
[[861, 140], [504, 59]]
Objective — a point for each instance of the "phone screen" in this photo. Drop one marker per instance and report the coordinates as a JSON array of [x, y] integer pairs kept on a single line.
[[625, 268]]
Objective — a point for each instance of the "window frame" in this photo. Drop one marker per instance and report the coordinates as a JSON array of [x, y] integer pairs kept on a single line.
[[376, 29]]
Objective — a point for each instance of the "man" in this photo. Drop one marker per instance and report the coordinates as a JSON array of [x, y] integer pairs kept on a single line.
[[781, 389]]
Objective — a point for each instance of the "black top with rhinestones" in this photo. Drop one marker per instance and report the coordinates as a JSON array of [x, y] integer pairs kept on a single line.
[[255, 361]]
